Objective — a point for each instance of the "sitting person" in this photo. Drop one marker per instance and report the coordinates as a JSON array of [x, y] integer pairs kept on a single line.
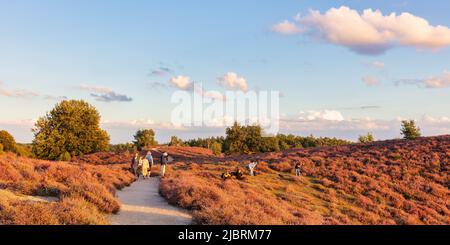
[[238, 173], [226, 175]]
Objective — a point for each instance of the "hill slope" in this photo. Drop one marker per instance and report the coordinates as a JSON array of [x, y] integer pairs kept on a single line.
[[82, 193], [387, 182]]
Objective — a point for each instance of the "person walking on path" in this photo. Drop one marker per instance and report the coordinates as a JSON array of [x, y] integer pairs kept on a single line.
[[134, 163], [297, 168], [251, 168], [144, 168], [149, 158], [164, 161], [139, 167]]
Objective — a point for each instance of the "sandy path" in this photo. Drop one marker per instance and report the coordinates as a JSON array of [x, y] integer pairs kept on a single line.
[[141, 204]]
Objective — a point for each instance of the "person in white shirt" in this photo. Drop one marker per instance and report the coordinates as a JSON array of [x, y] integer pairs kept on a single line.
[[251, 168]]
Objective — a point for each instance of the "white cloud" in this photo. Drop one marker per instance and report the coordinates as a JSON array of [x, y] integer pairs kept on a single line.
[[95, 89], [286, 27], [19, 93], [437, 81], [232, 81], [440, 81], [326, 115], [371, 32], [181, 82], [370, 80]]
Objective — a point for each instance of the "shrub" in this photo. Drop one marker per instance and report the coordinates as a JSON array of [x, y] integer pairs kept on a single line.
[[72, 126], [216, 148], [144, 138], [366, 138], [1, 148], [8, 142], [119, 148], [65, 157], [409, 130], [175, 141]]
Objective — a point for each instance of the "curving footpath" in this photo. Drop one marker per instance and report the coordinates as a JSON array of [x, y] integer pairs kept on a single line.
[[141, 204]]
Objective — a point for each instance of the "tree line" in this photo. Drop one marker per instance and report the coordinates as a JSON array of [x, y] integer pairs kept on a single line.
[[72, 128]]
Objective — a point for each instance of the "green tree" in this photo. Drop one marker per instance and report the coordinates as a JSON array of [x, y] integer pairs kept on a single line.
[[73, 127], [216, 148], [8, 141], [409, 130], [144, 138], [269, 144], [366, 138], [235, 140], [243, 139], [175, 141]]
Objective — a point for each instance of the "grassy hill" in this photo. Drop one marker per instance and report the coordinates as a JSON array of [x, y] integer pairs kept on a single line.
[[43, 192], [387, 182]]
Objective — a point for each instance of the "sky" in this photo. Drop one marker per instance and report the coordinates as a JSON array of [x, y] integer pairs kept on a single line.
[[344, 68]]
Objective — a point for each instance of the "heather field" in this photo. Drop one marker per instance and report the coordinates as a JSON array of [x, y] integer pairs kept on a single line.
[[44, 192], [392, 182], [387, 182]]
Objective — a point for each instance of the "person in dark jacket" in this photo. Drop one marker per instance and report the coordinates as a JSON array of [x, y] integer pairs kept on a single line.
[[134, 163], [298, 167]]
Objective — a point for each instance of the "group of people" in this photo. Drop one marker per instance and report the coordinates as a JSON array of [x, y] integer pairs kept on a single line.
[[252, 165], [142, 166], [251, 168]]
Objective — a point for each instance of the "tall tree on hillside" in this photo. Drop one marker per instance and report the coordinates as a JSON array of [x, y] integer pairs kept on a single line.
[[243, 139], [175, 141], [8, 141], [144, 138], [235, 140], [409, 130], [71, 128]]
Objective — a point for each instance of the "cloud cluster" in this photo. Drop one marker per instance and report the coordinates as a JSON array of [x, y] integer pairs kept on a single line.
[[18, 93], [369, 33], [326, 115], [232, 81], [286, 28], [436, 81], [181, 82], [104, 94]]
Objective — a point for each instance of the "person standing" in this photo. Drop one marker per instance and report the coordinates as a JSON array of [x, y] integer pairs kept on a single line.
[[144, 168], [149, 158], [139, 167], [164, 161], [297, 168], [251, 168], [134, 163]]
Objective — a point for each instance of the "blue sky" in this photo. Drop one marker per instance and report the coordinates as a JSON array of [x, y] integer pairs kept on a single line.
[[51, 50]]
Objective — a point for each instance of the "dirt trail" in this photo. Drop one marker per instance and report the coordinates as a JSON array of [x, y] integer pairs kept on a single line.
[[141, 204]]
